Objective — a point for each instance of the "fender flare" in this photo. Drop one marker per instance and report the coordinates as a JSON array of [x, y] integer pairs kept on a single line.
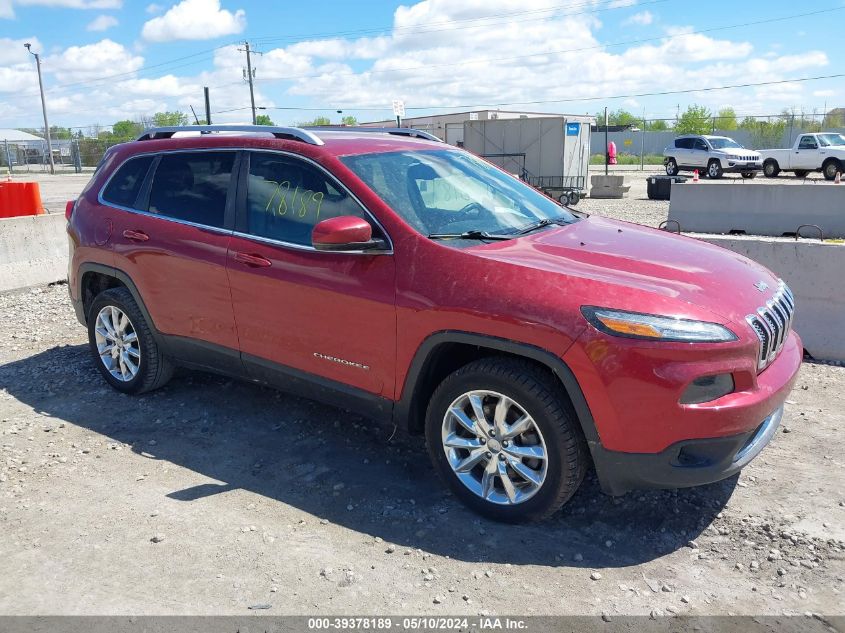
[[126, 280], [402, 409]]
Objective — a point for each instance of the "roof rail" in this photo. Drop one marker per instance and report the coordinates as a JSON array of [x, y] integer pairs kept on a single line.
[[293, 133], [399, 131]]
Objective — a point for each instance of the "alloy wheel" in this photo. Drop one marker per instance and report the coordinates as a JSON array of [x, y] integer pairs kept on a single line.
[[494, 447], [117, 343]]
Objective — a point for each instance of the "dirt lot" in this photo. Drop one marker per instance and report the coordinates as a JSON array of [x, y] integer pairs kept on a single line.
[[212, 496]]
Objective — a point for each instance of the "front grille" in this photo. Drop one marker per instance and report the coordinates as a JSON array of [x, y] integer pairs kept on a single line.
[[772, 323]]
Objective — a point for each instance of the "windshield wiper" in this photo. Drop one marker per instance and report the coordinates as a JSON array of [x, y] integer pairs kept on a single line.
[[469, 235], [539, 224]]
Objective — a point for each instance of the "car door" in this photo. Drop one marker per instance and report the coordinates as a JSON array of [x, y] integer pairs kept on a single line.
[[172, 242], [700, 153], [326, 318], [806, 155], [682, 151]]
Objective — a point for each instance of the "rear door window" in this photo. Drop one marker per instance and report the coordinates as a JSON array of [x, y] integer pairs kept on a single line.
[[286, 197], [192, 186], [124, 186], [683, 143]]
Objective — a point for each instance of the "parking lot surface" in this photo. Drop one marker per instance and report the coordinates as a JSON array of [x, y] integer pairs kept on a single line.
[[212, 496]]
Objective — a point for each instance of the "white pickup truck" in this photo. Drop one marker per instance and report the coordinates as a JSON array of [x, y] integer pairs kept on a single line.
[[824, 152]]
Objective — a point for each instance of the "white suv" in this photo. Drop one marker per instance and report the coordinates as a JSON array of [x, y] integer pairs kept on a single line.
[[711, 155]]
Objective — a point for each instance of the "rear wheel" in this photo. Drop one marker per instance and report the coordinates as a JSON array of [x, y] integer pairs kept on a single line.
[[671, 167], [800, 173], [122, 344], [564, 198], [771, 169], [714, 169], [830, 169], [574, 198], [502, 436]]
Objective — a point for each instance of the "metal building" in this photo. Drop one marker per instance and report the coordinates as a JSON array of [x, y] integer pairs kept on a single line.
[[551, 153]]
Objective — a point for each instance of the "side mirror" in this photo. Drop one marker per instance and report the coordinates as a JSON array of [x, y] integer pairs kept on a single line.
[[344, 233]]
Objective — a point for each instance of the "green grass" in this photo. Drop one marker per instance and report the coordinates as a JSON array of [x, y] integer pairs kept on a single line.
[[628, 159]]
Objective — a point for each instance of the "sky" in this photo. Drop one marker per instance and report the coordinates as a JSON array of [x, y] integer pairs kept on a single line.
[[107, 60]]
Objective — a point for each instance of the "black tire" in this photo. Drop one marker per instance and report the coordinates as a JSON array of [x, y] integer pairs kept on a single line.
[[537, 393], [831, 168], [749, 175], [771, 169], [671, 167], [800, 173], [574, 198], [714, 169], [564, 198], [154, 369]]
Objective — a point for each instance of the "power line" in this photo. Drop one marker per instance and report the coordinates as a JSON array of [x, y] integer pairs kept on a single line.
[[471, 106], [569, 50], [411, 29]]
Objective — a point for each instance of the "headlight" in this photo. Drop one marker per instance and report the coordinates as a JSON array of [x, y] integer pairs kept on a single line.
[[653, 327]]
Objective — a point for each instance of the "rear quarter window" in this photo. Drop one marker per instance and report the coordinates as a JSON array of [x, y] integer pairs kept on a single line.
[[124, 186]]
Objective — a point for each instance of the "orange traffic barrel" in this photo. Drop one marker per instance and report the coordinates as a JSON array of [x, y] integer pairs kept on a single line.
[[20, 198]]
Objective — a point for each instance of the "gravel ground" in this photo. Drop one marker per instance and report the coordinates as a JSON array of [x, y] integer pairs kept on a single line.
[[212, 496]]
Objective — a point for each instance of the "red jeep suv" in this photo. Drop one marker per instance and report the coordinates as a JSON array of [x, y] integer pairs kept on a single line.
[[383, 271]]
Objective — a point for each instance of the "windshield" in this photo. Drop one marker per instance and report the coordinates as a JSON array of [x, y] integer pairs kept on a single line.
[[724, 143], [452, 191], [826, 140]]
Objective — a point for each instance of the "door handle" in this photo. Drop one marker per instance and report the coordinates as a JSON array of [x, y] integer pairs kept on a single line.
[[254, 261], [135, 236]]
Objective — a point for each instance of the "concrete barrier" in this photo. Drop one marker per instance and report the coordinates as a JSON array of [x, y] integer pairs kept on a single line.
[[759, 209], [815, 271], [609, 186], [33, 250]]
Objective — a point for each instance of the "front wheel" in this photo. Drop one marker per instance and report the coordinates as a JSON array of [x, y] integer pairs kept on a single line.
[[671, 167], [830, 169], [771, 169], [505, 440], [714, 169], [122, 344]]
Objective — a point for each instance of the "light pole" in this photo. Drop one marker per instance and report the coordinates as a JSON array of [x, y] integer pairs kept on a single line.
[[28, 47]]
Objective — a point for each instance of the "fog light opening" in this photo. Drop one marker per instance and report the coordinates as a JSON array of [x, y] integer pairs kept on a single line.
[[708, 388]]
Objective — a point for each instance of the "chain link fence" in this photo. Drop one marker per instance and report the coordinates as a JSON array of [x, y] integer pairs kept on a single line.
[[642, 146], [69, 155]]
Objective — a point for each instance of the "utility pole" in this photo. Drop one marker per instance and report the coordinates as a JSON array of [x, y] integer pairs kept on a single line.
[[43, 107], [249, 77], [606, 144], [207, 106]]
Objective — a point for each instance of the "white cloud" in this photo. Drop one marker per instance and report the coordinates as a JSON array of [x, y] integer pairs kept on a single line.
[[154, 8], [81, 63], [643, 18], [194, 20], [824, 93], [102, 23], [432, 57]]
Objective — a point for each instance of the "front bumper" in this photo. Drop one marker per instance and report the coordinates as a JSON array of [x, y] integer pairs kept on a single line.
[[733, 166], [684, 464]]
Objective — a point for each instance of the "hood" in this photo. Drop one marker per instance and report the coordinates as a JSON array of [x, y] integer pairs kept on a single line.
[[640, 264], [735, 151]]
